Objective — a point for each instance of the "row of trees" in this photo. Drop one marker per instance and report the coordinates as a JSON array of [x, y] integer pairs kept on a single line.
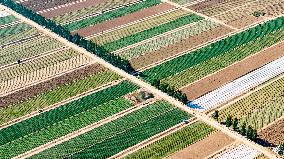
[[170, 91], [77, 39], [244, 130]]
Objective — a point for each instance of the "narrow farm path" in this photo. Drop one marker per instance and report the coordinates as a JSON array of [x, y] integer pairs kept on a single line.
[[82, 131], [54, 106], [200, 14], [166, 97]]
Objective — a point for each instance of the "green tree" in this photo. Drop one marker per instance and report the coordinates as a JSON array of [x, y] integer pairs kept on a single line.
[[281, 149], [235, 124], [229, 121], [254, 135], [243, 129], [249, 132], [215, 115]]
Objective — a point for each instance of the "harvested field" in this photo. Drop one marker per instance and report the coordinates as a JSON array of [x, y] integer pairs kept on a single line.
[[202, 149], [158, 55], [233, 72], [245, 21], [88, 31], [56, 82], [274, 133]]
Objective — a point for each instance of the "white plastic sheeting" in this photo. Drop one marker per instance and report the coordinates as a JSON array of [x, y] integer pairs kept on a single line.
[[239, 86], [240, 152]]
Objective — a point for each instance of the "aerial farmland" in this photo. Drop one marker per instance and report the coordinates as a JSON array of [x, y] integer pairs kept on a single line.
[[140, 79]]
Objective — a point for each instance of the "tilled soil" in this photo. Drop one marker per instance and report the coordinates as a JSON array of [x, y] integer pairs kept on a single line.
[[38, 5], [171, 50], [233, 72], [273, 134], [205, 4], [37, 89], [213, 143], [124, 19]]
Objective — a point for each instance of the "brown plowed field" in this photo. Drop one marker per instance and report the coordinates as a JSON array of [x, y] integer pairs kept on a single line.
[[206, 4], [245, 21], [32, 91], [72, 8], [186, 44], [124, 20], [211, 144], [274, 133], [233, 72]]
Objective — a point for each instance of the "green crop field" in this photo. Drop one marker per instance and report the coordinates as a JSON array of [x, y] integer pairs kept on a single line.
[[92, 20], [65, 119], [259, 108], [7, 19], [174, 142], [119, 134], [54, 96], [10, 30]]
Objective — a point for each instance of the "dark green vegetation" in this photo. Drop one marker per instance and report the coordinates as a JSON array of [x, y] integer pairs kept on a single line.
[[174, 142], [116, 136], [65, 119]]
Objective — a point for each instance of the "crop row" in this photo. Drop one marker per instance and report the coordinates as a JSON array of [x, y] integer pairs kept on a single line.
[[182, 2], [89, 11], [7, 19], [59, 129], [146, 34], [17, 37], [10, 30], [167, 39], [259, 108], [41, 5], [65, 119], [241, 85], [56, 95], [111, 15], [138, 27], [37, 70], [220, 48], [34, 47], [174, 142], [119, 134]]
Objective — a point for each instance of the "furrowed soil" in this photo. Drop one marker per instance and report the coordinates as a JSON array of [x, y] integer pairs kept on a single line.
[[124, 19], [38, 5], [37, 89], [199, 150], [171, 50], [233, 72], [273, 134]]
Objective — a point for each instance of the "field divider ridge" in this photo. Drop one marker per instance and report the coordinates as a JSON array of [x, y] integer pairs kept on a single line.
[[141, 83], [84, 130]]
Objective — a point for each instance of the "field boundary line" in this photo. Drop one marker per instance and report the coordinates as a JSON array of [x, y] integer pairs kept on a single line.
[[153, 38], [149, 87], [48, 78], [44, 54], [84, 130], [220, 151], [61, 103], [246, 94], [131, 23], [188, 51], [152, 139], [10, 24], [270, 124], [200, 14], [235, 63]]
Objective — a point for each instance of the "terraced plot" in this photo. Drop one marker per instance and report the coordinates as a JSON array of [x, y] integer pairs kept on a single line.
[[65, 119], [119, 134], [259, 108]]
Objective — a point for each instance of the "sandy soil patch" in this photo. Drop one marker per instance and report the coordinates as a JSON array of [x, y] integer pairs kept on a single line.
[[273, 134], [213, 143], [124, 19], [34, 90], [233, 72], [186, 44]]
